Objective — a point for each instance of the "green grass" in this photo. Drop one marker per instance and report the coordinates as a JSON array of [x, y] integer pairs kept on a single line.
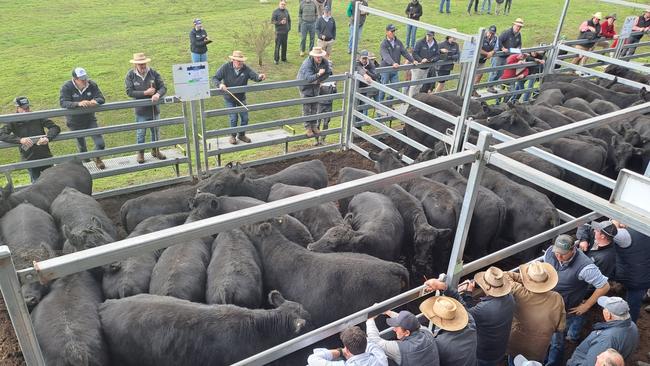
[[44, 40]]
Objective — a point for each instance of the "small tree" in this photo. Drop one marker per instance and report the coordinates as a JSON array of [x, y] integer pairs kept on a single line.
[[259, 34]]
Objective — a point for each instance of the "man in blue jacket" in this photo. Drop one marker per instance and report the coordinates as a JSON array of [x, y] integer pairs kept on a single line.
[[315, 69], [392, 49], [425, 52], [617, 332]]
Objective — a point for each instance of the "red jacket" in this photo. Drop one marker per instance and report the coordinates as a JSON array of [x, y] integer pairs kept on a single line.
[[607, 30], [511, 73]]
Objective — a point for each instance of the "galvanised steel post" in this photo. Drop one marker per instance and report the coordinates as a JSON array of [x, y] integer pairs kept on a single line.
[[467, 209], [351, 82], [17, 310], [187, 131], [204, 139], [548, 67], [195, 138]]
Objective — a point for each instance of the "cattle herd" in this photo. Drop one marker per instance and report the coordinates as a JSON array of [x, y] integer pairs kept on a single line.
[[216, 300]]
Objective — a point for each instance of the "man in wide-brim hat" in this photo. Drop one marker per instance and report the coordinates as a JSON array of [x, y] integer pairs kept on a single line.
[[236, 73], [315, 69], [539, 312], [143, 82], [455, 327]]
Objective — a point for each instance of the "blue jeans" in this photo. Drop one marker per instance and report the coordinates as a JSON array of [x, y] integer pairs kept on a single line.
[[141, 133], [359, 30], [304, 29], [442, 2], [634, 299], [199, 57], [233, 116], [98, 140], [388, 78], [529, 85], [519, 85], [411, 35], [489, 6], [497, 61], [574, 325], [34, 173]]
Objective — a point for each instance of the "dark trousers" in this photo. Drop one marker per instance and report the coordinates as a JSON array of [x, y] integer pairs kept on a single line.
[[280, 42], [429, 86], [634, 299], [34, 173], [469, 6], [98, 140]]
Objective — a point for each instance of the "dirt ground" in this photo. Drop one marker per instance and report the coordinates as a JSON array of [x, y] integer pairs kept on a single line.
[[10, 354]]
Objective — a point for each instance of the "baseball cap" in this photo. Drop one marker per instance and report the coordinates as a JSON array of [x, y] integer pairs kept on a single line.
[[431, 33], [522, 361], [606, 227], [563, 244], [79, 73], [327, 8], [406, 320], [623, 238], [21, 102], [391, 28], [614, 305], [364, 53], [197, 21], [493, 28]]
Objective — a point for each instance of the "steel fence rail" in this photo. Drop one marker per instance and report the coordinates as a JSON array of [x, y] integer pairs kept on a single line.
[[271, 85], [629, 65], [270, 105], [602, 75]]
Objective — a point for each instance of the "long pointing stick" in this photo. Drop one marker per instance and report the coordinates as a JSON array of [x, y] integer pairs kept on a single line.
[[238, 101]]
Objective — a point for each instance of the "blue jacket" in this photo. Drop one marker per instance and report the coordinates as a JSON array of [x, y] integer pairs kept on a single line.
[[391, 54], [633, 262], [621, 335], [493, 316]]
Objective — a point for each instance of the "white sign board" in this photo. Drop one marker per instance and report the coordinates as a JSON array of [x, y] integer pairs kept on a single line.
[[467, 54], [632, 191], [191, 81], [627, 26]]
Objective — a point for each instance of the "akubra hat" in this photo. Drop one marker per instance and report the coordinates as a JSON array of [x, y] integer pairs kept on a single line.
[[519, 22], [445, 312], [538, 277], [140, 58], [317, 52], [237, 56], [494, 282]]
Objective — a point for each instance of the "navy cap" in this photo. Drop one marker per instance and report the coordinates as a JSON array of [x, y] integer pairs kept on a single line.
[[493, 28], [431, 33], [405, 320], [21, 102], [391, 28]]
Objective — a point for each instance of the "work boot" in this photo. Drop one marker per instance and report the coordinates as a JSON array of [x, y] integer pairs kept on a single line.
[[315, 130], [232, 140], [155, 152], [302, 53], [309, 132], [99, 163], [140, 157], [242, 137]]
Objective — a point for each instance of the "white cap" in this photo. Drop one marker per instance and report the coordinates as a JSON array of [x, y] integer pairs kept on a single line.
[[522, 361]]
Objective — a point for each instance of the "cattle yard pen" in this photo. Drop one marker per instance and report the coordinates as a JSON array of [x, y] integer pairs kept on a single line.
[[200, 143]]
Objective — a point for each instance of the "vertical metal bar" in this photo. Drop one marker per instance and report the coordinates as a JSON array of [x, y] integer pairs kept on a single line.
[[344, 108], [459, 130], [188, 144], [17, 310], [352, 84], [647, 170], [554, 51], [473, 184], [195, 138], [203, 138]]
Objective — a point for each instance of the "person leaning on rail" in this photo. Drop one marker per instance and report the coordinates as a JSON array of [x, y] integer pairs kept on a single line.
[[589, 30], [231, 74], [488, 48], [642, 24], [357, 351], [20, 133], [143, 82], [509, 41]]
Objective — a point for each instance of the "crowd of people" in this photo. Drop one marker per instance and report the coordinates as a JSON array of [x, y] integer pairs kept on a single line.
[[522, 317]]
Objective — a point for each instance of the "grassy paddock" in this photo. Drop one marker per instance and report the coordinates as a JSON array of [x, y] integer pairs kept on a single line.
[[44, 40]]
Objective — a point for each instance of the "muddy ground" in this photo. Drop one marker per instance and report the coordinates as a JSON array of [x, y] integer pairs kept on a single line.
[[10, 354]]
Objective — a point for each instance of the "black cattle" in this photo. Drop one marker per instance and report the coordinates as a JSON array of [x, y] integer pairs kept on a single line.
[[48, 186], [329, 285], [428, 119], [168, 201], [581, 105], [602, 106], [232, 182], [619, 152], [149, 330], [290, 227], [626, 73], [488, 217], [623, 100], [181, 269], [571, 90], [420, 237], [372, 226], [235, 271], [574, 114], [549, 115], [549, 97], [538, 164], [82, 220], [67, 325], [564, 77], [132, 276]]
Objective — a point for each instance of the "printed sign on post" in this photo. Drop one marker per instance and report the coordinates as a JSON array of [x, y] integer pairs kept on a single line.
[[467, 54], [191, 81], [627, 26]]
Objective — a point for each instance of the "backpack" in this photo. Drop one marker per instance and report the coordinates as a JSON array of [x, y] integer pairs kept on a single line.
[[309, 11]]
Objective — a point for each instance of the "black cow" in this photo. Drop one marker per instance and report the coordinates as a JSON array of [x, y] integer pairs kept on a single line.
[[420, 237], [132, 276], [603, 107], [574, 114], [549, 97], [626, 73], [168, 201], [581, 105], [329, 285], [571, 90], [48, 186], [235, 271], [619, 152], [549, 115], [67, 324], [623, 100], [373, 226], [149, 330], [428, 119], [318, 219]]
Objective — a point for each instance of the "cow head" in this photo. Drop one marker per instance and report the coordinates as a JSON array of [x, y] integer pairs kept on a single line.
[[427, 238], [511, 121], [339, 238], [386, 160], [298, 318], [203, 205], [623, 152], [428, 154], [224, 182], [93, 235], [645, 96]]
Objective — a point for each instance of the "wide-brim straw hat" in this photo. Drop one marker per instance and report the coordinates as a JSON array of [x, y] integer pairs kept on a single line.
[[519, 22], [598, 15], [140, 58], [538, 277], [494, 282], [317, 52], [238, 56], [445, 312]]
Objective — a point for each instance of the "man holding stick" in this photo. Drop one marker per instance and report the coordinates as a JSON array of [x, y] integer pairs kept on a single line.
[[236, 73]]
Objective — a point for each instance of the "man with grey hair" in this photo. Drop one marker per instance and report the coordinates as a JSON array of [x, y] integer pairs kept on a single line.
[[618, 332], [610, 357]]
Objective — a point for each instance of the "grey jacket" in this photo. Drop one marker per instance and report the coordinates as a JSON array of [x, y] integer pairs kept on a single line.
[[309, 71], [391, 54], [621, 335]]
